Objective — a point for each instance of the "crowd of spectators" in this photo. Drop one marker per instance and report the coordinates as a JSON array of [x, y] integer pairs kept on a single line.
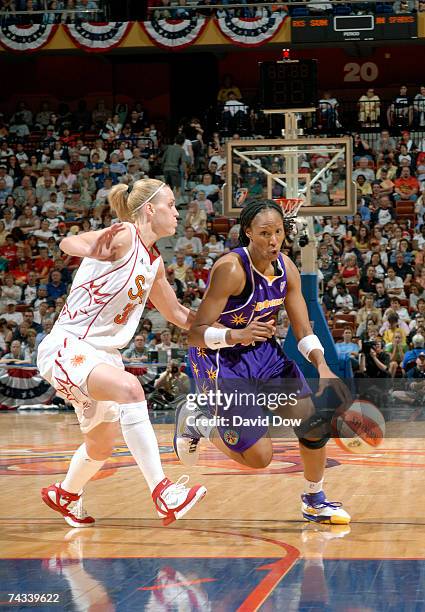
[[404, 110], [57, 168], [27, 12], [372, 265]]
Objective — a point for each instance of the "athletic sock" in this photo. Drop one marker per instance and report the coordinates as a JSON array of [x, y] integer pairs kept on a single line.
[[81, 469], [312, 487], [141, 441]]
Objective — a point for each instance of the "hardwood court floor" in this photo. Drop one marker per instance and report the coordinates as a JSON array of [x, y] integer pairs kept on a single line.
[[244, 547]]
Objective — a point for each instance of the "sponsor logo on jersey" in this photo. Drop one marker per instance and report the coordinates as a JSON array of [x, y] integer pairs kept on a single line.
[[268, 304]]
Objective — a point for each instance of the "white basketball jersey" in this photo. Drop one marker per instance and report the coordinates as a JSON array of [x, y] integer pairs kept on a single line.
[[107, 299]]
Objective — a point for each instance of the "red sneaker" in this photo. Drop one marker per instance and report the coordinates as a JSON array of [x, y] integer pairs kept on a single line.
[[70, 505], [173, 499]]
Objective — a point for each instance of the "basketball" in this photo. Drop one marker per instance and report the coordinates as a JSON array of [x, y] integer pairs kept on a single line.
[[360, 429]]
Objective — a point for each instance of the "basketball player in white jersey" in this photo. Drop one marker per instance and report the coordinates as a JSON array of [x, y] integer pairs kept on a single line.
[[121, 268]]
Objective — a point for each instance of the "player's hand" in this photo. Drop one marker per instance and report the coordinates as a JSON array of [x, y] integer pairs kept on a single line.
[[328, 380], [101, 248], [256, 331]]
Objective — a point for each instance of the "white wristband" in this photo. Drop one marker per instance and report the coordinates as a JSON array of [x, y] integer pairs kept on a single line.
[[308, 344], [215, 337]]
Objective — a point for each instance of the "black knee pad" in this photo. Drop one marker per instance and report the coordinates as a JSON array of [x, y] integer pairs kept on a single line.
[[315, 444], [314, 422]]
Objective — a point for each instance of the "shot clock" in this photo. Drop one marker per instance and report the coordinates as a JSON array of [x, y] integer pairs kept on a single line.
[[288, 84]]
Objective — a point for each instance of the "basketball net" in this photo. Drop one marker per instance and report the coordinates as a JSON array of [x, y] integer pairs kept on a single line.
[[290, 206]]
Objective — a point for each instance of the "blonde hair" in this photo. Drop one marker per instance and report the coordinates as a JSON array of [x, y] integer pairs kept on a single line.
[[127, 203]]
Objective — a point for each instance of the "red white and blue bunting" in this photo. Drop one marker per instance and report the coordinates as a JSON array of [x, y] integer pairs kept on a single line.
[[175, 33], [20, 386], [166, 33], [252, 31], [26, 38], [98, 36]]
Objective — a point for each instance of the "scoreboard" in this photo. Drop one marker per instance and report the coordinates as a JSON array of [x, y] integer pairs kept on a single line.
[[348, 28]]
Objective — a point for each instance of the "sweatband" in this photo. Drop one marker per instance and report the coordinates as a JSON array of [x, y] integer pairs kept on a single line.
[[308, 344], [215, 337]]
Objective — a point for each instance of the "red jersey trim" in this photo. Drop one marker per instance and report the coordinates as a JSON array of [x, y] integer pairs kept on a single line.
[[152, 256]]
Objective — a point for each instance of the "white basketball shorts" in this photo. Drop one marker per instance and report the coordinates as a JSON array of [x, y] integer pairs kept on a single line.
[[66, 362]]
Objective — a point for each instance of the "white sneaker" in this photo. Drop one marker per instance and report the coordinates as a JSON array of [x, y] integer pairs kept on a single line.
[[173, 500], [70, 505], [316, 508], [186, 439]]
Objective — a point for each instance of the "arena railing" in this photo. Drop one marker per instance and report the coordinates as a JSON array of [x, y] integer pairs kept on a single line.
[[242, 9], [45, 16], [346, 116]]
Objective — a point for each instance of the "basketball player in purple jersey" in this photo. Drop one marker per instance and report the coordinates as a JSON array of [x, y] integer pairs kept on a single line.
[[246, 290]]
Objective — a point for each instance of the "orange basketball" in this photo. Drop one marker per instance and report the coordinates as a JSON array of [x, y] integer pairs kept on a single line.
[[360, 429]]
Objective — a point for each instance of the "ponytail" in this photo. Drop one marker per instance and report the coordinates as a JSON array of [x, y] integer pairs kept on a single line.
[[118, 197], [127, 203]]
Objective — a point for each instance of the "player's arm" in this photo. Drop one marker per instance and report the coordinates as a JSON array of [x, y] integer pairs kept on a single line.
[[227, 279], [165, 301], [108, 244]]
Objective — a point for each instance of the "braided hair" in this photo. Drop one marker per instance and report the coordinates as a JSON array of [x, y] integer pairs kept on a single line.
[[252, 209]]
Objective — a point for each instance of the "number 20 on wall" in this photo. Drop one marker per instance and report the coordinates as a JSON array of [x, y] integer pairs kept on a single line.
[[360, 72]]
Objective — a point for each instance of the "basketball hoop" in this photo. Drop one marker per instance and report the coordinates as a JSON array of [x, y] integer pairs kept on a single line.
[[290, 206]]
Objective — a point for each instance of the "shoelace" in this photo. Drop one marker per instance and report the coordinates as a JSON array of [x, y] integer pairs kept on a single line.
[[181, 483], [70, 497], [193, 445], [175, 488], [170, 495], [78, 509], [324, 504]]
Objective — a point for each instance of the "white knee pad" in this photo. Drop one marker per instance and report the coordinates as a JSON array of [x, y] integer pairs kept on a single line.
[[137, 412]]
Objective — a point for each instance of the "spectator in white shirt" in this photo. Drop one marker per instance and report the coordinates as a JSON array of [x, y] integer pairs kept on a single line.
[[207, 187], [394, 285], [10, 290], [188, 243], [363, 168], [6, 177], [215, 247], [235, 113], [11, 314]]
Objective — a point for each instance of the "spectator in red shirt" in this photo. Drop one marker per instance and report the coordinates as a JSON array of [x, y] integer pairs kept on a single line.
[[9, 251], [43, 264], [200, 273], [20, 272], [406, 187], [75, 164]]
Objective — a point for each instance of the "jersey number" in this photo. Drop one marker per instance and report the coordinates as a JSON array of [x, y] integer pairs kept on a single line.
[[121, 319]]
